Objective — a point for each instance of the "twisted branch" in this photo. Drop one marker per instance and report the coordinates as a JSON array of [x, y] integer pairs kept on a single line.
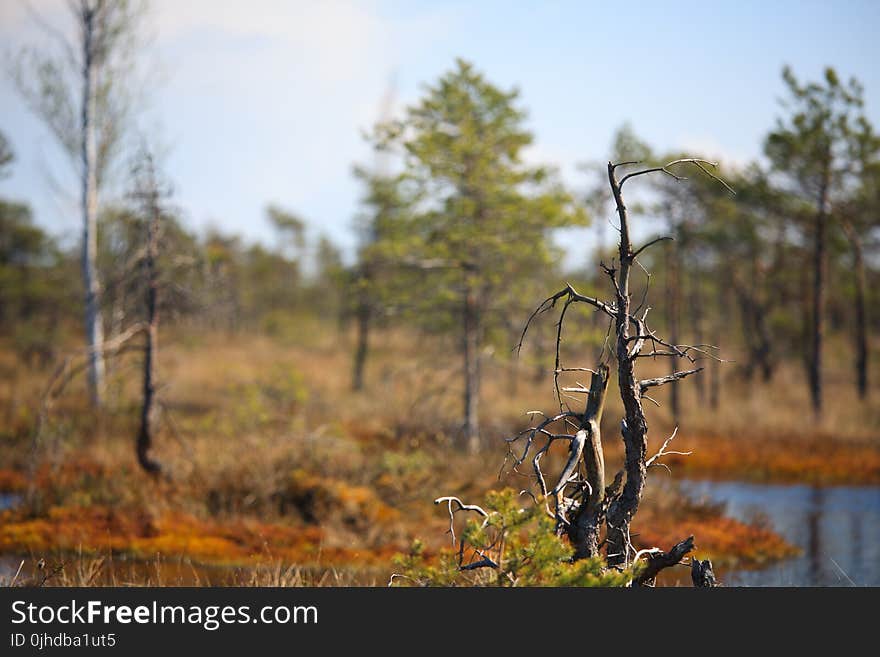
[[450, 500]]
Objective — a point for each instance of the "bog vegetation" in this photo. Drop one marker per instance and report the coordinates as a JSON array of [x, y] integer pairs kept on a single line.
[[282, 410]]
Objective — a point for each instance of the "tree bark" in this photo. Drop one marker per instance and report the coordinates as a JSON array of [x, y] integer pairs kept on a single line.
[[861, 328], [673, 296], [695, 308], [861, 332], [93, 326], [817, 317], [765, 345], [145, 435], [719, 324], [661, 560], [702, 574], [634, 426], [756, 333], [584, 531]]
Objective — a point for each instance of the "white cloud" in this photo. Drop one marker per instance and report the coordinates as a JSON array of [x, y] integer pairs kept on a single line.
[[266, 100], [261, 100], [337, 39]]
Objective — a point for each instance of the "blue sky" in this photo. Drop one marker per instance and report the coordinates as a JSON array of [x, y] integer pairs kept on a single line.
[[265, 101]]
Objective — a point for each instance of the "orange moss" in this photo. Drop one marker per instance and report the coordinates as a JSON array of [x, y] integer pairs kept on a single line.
[[100, 529], [789, 460], [70, 472], [12, 481], [268, 440], [724, 540], [356, 504]]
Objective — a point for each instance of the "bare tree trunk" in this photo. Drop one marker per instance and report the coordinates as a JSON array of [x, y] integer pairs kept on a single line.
[[634, 426], [673, 296], [818, 301], [363, 344], [715, 380], [746, 312], [145, 435], [861, 328], [584, 531], [93, 327], [471, 372], [756, 333], [720, 322], [861, 335], [765, 344], [695, 308]]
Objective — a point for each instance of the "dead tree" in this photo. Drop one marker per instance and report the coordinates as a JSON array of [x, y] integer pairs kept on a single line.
[[148, 193], [81, 90], [580, 501]]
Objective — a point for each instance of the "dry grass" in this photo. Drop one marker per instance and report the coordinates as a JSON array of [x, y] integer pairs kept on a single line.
[[273, 461], [79, 569]]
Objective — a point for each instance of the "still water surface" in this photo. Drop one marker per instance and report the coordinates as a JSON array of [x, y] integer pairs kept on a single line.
[[837, 528]]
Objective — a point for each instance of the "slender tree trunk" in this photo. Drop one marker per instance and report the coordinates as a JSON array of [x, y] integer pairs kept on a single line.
[[719, 324], [861, 327], [756, 332], [471, 371], [695, 308], [93, 327], [817, 317], [145, 435], [363, 344], [765, 344], [673, 296], [746, 312], [635, 426], [861, 333]]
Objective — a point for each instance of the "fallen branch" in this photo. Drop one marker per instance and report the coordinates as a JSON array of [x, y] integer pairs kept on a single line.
[[659, 560]]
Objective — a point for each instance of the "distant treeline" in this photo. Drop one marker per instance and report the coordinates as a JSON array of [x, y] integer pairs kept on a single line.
[[455, 238], [210, 281]]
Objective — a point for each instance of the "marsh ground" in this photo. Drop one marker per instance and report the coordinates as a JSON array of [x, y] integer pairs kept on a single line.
[[279, 473]]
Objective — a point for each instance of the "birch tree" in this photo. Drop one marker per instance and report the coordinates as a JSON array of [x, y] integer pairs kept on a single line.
[[78, 89]]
